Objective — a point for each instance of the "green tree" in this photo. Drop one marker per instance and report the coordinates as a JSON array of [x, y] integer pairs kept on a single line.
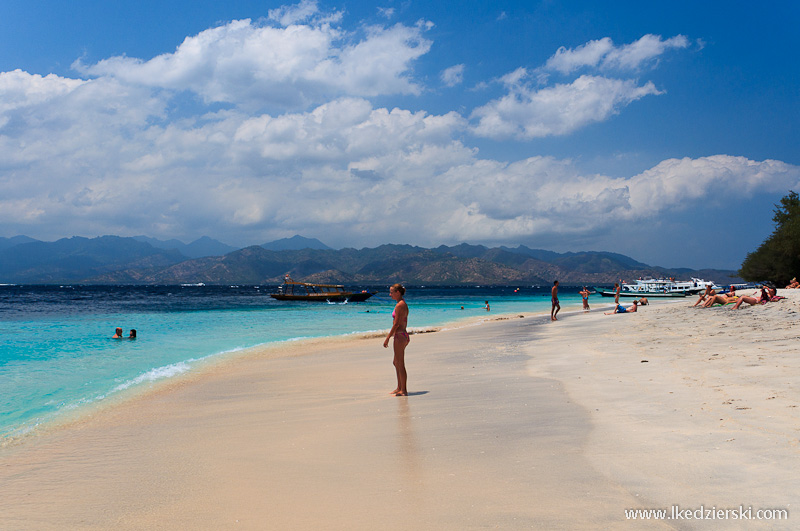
[[778, 258]]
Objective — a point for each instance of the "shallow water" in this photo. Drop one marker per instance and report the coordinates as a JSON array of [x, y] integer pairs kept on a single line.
[[57, 355]]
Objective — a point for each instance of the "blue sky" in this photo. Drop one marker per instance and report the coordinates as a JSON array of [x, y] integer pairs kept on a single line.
[[666, 132]]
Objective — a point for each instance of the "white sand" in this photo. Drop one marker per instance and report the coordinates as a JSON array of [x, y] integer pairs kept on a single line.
[[689, 406], [518, 423]]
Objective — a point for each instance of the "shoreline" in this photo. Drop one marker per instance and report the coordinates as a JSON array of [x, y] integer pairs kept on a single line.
[[75, 414], [282, 348], [513, 423], [250, 443]]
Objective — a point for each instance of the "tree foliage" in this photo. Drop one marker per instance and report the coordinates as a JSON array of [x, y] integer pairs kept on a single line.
[[778, 258]]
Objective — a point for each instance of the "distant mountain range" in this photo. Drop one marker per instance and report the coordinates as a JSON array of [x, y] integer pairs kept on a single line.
[[143, 260], [199, 248], [295, 243]]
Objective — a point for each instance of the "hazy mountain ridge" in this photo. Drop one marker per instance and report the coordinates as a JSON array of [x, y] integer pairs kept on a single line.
[[199, 248], [76, 259], [117, 260], [6, 243], [294, 243]]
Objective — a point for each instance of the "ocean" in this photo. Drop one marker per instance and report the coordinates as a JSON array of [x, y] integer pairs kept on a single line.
[[58, 361]]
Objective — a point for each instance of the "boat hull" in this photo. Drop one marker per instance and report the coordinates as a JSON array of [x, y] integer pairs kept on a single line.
[[611, 293], [325, 297]]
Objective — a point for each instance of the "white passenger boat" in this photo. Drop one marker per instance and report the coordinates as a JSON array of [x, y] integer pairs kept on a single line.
[[659, 287]]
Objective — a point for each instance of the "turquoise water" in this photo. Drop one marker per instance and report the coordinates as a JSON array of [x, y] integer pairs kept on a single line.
[[57, 358]]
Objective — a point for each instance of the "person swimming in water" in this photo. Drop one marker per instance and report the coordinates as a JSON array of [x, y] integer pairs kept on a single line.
[[401, 339], [117, 333]]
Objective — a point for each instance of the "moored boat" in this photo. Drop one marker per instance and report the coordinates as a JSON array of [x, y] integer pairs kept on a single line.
[[658, 287], [306, 291], [622, 293]]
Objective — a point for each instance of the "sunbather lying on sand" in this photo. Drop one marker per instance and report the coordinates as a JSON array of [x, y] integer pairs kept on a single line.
[[621, 309], [754, 299], [723, 298], [773, 295], [794, 284]]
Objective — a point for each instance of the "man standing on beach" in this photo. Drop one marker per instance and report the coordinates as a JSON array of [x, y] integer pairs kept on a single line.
[[556, 305], [616, 293]]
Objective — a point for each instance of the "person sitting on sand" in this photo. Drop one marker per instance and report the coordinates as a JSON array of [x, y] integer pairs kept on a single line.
[[117, 333], [621, 309], [793, 284], [722, 299], [757, 298], [709, 292], [643, 301]]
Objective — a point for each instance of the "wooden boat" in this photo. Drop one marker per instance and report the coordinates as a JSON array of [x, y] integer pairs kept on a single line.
[[306, 291]]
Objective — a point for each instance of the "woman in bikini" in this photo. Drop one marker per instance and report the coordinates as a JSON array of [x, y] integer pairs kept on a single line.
[[401, 339], [585, 296], [763, 297], [723, 299]]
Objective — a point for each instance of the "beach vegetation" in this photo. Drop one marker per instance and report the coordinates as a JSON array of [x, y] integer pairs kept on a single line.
[[777, 259]]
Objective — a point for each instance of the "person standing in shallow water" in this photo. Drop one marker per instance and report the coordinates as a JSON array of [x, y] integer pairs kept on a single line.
[[401, 339], [585, 296]]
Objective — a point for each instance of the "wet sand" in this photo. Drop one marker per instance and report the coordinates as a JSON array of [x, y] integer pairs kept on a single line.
[[515, 423]]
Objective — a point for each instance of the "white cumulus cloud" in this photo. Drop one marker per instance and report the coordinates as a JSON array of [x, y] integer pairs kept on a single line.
[[529, 113], [292, 14], [362, 173], [253, 65], [604, 55], [303, 149], [453, 75]]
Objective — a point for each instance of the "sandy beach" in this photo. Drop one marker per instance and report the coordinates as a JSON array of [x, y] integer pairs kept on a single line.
[[513, 423]]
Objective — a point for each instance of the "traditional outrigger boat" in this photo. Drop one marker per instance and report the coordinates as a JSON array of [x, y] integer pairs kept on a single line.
[[305, 291], [658, 287]]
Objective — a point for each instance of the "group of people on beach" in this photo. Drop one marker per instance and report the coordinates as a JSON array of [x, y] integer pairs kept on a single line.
[[762, 295], [400, 316], [118, 334]]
